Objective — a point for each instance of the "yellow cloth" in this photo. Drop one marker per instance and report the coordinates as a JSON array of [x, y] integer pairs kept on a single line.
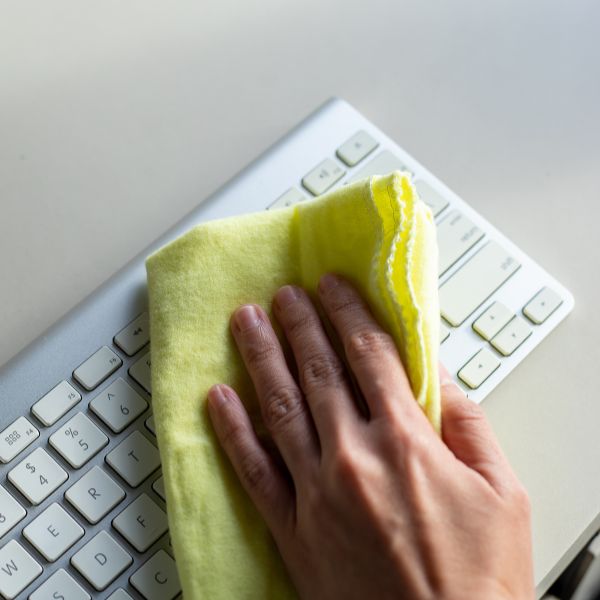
[[379, 235]]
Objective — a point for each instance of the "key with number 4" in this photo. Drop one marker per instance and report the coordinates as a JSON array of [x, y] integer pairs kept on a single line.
[[37, 476]]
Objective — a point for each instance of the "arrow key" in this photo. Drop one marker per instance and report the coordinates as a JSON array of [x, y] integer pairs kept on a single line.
[[511, 336], [479, 368]]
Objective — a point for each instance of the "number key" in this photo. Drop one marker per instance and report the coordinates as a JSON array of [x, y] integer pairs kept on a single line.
[[37, 476], [11, 512], [78, 440], [118, 405]]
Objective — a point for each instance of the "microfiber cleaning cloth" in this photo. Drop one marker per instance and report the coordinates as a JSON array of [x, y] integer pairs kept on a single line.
[[380, 236]]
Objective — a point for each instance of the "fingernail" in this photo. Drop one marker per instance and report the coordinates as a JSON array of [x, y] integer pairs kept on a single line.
[[328, 282], [286, 296], [217, 396], [246, 317]]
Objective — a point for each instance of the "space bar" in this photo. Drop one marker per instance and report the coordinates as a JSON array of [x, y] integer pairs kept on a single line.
[[478, 279]]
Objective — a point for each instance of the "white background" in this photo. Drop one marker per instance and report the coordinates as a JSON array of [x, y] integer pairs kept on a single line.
[[118, 117]]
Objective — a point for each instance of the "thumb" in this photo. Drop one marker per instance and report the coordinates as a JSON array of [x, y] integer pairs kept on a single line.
[[468, 434]]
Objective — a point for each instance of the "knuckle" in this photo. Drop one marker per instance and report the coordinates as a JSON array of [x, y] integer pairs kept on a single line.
[[415, 447], [232, 435], [260, 351], [254, 472], [343, 466], [281, 406], [320, 370], [343, 303], [364, 344], [299, 322], [378, 392]]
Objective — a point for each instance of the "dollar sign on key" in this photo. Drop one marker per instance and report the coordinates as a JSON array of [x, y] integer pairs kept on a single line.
[[30, 467]]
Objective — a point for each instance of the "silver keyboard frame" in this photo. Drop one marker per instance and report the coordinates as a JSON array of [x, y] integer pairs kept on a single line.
[[93, 323]]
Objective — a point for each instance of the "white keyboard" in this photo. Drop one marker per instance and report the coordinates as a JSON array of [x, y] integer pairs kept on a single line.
[[82, 501]]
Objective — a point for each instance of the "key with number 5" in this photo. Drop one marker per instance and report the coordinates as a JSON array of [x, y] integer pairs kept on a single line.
[[78, 440]]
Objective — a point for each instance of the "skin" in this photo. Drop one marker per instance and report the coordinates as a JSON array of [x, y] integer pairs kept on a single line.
[[369, 504]]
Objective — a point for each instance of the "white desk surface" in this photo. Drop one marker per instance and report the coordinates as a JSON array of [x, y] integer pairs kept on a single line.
[[116, 118]]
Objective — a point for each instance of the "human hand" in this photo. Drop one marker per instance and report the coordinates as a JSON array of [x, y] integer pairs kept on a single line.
[[375, 506]]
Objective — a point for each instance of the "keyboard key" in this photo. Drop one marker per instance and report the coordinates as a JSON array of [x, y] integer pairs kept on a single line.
[[479, 368], [475, 282], [354, 150], [444, 332], [57, 402], [157, 579], [118, 405], [134, 459], [289, 198], [17, 569], [37, 476], [150, 425], [512, 336], [94, 495], [385, 162], [119, 594], [456, 235], [101, 560], [53, 532], [159, 487], [101, 365], [78, 440], [141, 523], [140, 371], [436, 202], [135, 336], [60, 586], [11, 512], [322, 177], [15, 438], [542, 305], [492, 320]]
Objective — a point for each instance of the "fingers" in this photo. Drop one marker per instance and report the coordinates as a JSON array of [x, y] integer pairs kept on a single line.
[[468, 434], [257, 471], [320, 370], [282, 406], [370, 351]]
